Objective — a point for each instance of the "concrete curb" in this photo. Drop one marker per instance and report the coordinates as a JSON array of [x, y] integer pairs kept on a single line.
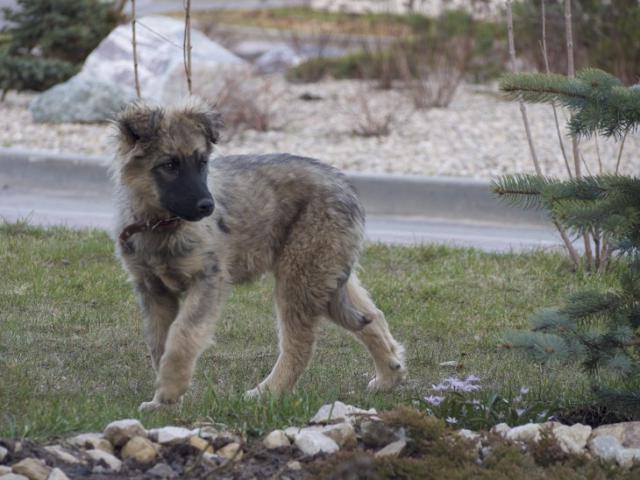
[[450, 198]]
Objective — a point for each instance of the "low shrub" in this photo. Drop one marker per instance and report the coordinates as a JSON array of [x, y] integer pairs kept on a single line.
[[45, 42]]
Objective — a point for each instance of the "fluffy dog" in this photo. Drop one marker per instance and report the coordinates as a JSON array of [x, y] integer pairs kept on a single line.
[[189, 228]]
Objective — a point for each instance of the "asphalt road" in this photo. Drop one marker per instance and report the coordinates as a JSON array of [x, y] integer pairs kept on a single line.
[[86, 210]]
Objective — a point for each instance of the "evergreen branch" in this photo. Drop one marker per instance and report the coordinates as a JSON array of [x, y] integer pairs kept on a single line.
[[524, 191], [587, 303], [599, 102]]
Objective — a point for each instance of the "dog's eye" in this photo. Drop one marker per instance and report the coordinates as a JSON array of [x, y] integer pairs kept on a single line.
[[170, 166]]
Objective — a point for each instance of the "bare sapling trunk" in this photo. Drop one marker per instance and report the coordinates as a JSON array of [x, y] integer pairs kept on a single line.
[[186, 48], [134, 48], [512, 54]]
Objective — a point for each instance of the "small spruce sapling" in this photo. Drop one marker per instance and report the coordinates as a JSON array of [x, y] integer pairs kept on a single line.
[[598, 330]]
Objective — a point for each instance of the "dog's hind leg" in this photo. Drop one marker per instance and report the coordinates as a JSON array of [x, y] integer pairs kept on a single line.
[[387, 353], [189, 335], [296, 331]]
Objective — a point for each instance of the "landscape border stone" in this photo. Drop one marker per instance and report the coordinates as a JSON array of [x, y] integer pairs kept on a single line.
[[448, 198]]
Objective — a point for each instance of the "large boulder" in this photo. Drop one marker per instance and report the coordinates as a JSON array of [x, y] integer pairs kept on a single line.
[[160, 58], [80, 100]]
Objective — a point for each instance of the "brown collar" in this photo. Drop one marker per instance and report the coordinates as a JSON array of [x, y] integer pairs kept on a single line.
[[149, 225]]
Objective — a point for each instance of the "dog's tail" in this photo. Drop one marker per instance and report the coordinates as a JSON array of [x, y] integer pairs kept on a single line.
[[343, 311]]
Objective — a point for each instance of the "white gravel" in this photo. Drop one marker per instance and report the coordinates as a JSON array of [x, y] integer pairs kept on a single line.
[[479, 135]]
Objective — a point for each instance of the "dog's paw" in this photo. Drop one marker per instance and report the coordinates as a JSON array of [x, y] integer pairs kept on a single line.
[[384, 383], [252, 394], [155, 405], [151, 406]]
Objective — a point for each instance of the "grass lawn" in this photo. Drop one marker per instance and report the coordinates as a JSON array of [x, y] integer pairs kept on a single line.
[[72, 356]]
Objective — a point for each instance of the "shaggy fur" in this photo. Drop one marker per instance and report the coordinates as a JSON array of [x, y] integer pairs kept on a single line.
[[294, 217]]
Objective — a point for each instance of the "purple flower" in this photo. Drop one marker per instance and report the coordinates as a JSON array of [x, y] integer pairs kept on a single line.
[[455, 383], [520, 411], [434, 400], [451, 420], [524, 390]]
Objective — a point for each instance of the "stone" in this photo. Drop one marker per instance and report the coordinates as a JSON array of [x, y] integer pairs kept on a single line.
[[627, 433], [212, 460], [80, 100], [91, 440], [14, 476], [394, 449], [342, 433], [201, 444], [294, 465], [3, 453], [32, 468], [276, 439], [102, 457], [524, 433], [311, 443], [292, 432], [57, 474], [377, 434], [140, 449], [4, 469], [472, 437], [231, 451], [170, 435], [277, 59], [206, 432], [121, 431], [572, 439], [162, 470], [61, 454], [160, 63], [501, 429], [340, 412], [605, 447], [626, 457]]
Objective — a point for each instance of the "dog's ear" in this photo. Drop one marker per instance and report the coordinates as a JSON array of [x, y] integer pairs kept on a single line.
[[138, 123], [206, 117]]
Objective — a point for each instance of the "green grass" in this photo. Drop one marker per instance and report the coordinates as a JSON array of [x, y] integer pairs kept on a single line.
[[72, 356]]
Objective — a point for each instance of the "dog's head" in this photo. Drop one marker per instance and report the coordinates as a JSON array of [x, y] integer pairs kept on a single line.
[[164, 155]]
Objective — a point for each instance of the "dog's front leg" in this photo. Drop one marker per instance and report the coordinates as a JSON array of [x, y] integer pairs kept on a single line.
[[189, 335]]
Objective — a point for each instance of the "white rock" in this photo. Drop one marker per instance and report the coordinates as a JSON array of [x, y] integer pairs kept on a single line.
[[100, 456], [294, 465], [626, 457], [57, 474], [472, 437], [524, 433], [231, 451], [605, 447], [121, 431], [501, 429], [170, 435], [276, 439], [342, 433], [340, 412], [394, 449], [91, 440], [140, 449], [162, 470], [627, 433], [160, 63], [572, 439], [32, 468], [206, 432], [3, 453], [4, 469], [14, 476], [61, 454], [311, 443]]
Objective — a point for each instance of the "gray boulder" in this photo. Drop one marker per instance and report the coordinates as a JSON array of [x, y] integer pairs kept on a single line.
[[160, 61], [80, 100]]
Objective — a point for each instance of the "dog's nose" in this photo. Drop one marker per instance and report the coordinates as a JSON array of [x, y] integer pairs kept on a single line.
[[205, 206]]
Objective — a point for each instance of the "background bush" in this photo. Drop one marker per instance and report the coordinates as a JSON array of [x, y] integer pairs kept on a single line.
[[46, 41], [606, 36]]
